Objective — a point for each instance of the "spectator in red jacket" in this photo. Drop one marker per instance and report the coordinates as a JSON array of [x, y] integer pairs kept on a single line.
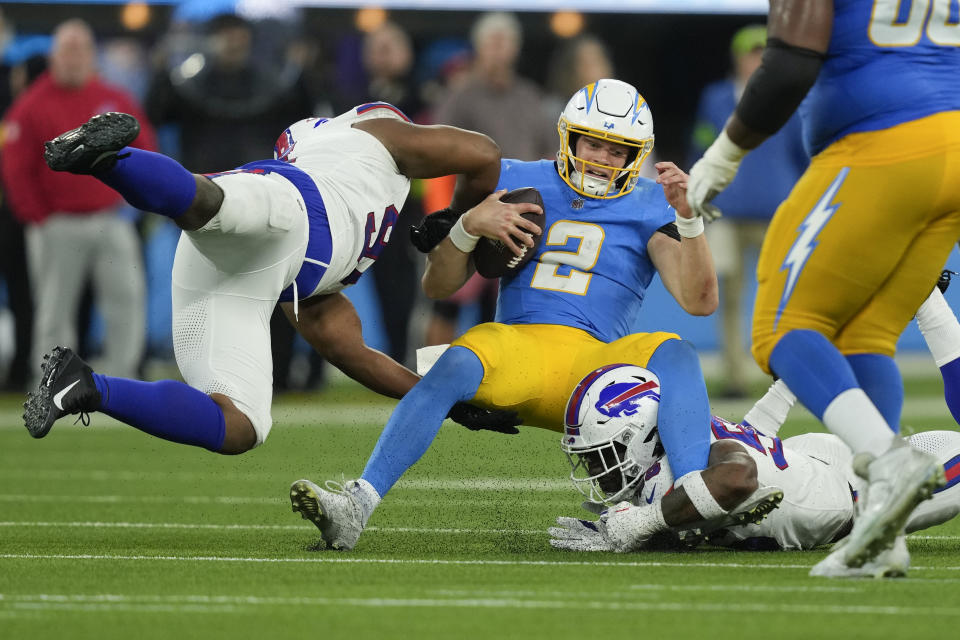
[[76, 228]]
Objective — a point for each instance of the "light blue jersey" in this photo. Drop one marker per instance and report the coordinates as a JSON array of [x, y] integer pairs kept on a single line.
[[591, 270], [889, 61]]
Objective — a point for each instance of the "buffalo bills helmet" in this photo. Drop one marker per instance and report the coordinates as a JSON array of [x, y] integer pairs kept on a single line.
[[608, 110], [610, 433]]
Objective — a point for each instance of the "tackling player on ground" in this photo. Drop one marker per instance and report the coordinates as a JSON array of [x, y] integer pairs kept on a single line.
[[848, 257], [617, 460], [297, 229], [569, 310]]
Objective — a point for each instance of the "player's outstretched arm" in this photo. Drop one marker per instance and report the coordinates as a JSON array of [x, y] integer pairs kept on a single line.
[[730, 478], [799, 37], [687, 271], [686, 268], [433, 151], [331, 325]]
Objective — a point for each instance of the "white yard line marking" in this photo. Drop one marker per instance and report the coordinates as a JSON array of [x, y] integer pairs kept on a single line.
[[301, 527], [426, 561], [218, 604], [260, 527], [625, 595], [498, 484]]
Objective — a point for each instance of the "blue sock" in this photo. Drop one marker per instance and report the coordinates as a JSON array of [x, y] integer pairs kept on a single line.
[[684, 419], [951, 387], [418, 416], [152, 182], [880, 379], [813, 368], [166, 409]]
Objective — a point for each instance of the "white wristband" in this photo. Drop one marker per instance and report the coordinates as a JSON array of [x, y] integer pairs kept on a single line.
[[689, 227], [704, 502], [461, 238]]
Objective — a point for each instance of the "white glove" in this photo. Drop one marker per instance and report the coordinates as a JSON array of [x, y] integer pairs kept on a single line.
[[621, 528], [578, 535], [711, 175]]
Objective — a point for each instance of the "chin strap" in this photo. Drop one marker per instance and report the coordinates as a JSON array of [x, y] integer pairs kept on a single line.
[[589, 183]]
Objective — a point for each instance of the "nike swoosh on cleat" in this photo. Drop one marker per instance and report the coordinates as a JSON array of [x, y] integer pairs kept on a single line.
[[57, 399]]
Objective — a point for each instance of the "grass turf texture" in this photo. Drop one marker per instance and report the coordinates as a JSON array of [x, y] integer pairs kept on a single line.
[[108, 533]]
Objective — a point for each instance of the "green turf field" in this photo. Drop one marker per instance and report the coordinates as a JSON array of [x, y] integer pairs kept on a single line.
[[107, 533]]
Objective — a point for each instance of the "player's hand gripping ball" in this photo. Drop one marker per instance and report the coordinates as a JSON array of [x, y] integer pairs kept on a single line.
[[493, 258]]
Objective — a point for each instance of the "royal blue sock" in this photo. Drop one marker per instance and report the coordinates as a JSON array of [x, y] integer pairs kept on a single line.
[[684, 418], [880, 379], [152, 182], [166, 409], [951, 387], [418, 416], [813, 369]]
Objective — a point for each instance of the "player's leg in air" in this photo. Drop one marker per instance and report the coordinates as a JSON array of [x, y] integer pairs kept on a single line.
[[167, 409]]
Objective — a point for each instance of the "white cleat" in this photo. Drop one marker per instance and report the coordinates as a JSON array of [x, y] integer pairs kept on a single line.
[[889, 563], [900, 479], [334, 510]]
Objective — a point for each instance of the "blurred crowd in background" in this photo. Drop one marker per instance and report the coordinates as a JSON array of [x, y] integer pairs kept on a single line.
[[214, 87]]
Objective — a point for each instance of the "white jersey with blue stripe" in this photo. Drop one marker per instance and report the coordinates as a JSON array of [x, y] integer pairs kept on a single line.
[[818, 501], [360, 184]]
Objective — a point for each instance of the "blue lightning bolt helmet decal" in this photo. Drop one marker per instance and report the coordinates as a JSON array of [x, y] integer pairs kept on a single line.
[[808, 231]]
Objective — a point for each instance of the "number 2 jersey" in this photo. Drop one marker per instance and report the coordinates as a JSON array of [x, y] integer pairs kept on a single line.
[[591, 269], [888, 62]]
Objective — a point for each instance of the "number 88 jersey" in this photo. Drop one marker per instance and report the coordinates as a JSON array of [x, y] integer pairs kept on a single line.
[[592, 269]]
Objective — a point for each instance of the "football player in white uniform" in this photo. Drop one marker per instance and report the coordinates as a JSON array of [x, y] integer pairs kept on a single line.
[[617, 460], [298, 229]]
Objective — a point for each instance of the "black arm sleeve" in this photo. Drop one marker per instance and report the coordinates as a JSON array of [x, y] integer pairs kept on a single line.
[[670, 229], [776, 89], [433, 229]]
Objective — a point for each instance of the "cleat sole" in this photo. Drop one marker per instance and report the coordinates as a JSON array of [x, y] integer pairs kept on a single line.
[[304, 500], [105, 134]]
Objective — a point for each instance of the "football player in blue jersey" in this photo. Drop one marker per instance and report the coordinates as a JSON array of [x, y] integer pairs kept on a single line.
[[567, 312], [850, 254]]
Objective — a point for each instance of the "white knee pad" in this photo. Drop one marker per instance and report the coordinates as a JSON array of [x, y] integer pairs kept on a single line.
[[945, 504]]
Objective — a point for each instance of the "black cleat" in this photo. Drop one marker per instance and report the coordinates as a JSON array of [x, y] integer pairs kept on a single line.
[[67, 386], [92, 147], [944, 280]]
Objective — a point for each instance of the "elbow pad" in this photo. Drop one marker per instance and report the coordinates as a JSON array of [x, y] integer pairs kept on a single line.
[[776, 89]]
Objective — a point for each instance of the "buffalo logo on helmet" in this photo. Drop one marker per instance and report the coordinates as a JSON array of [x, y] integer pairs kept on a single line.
[[623, 399], [284, 145]]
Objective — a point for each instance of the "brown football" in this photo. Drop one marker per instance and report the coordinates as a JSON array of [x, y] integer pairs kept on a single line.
[[494, 259]]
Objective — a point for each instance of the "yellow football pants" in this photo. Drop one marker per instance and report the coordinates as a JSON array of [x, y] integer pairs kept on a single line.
[[859, 243], [533, 368]]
